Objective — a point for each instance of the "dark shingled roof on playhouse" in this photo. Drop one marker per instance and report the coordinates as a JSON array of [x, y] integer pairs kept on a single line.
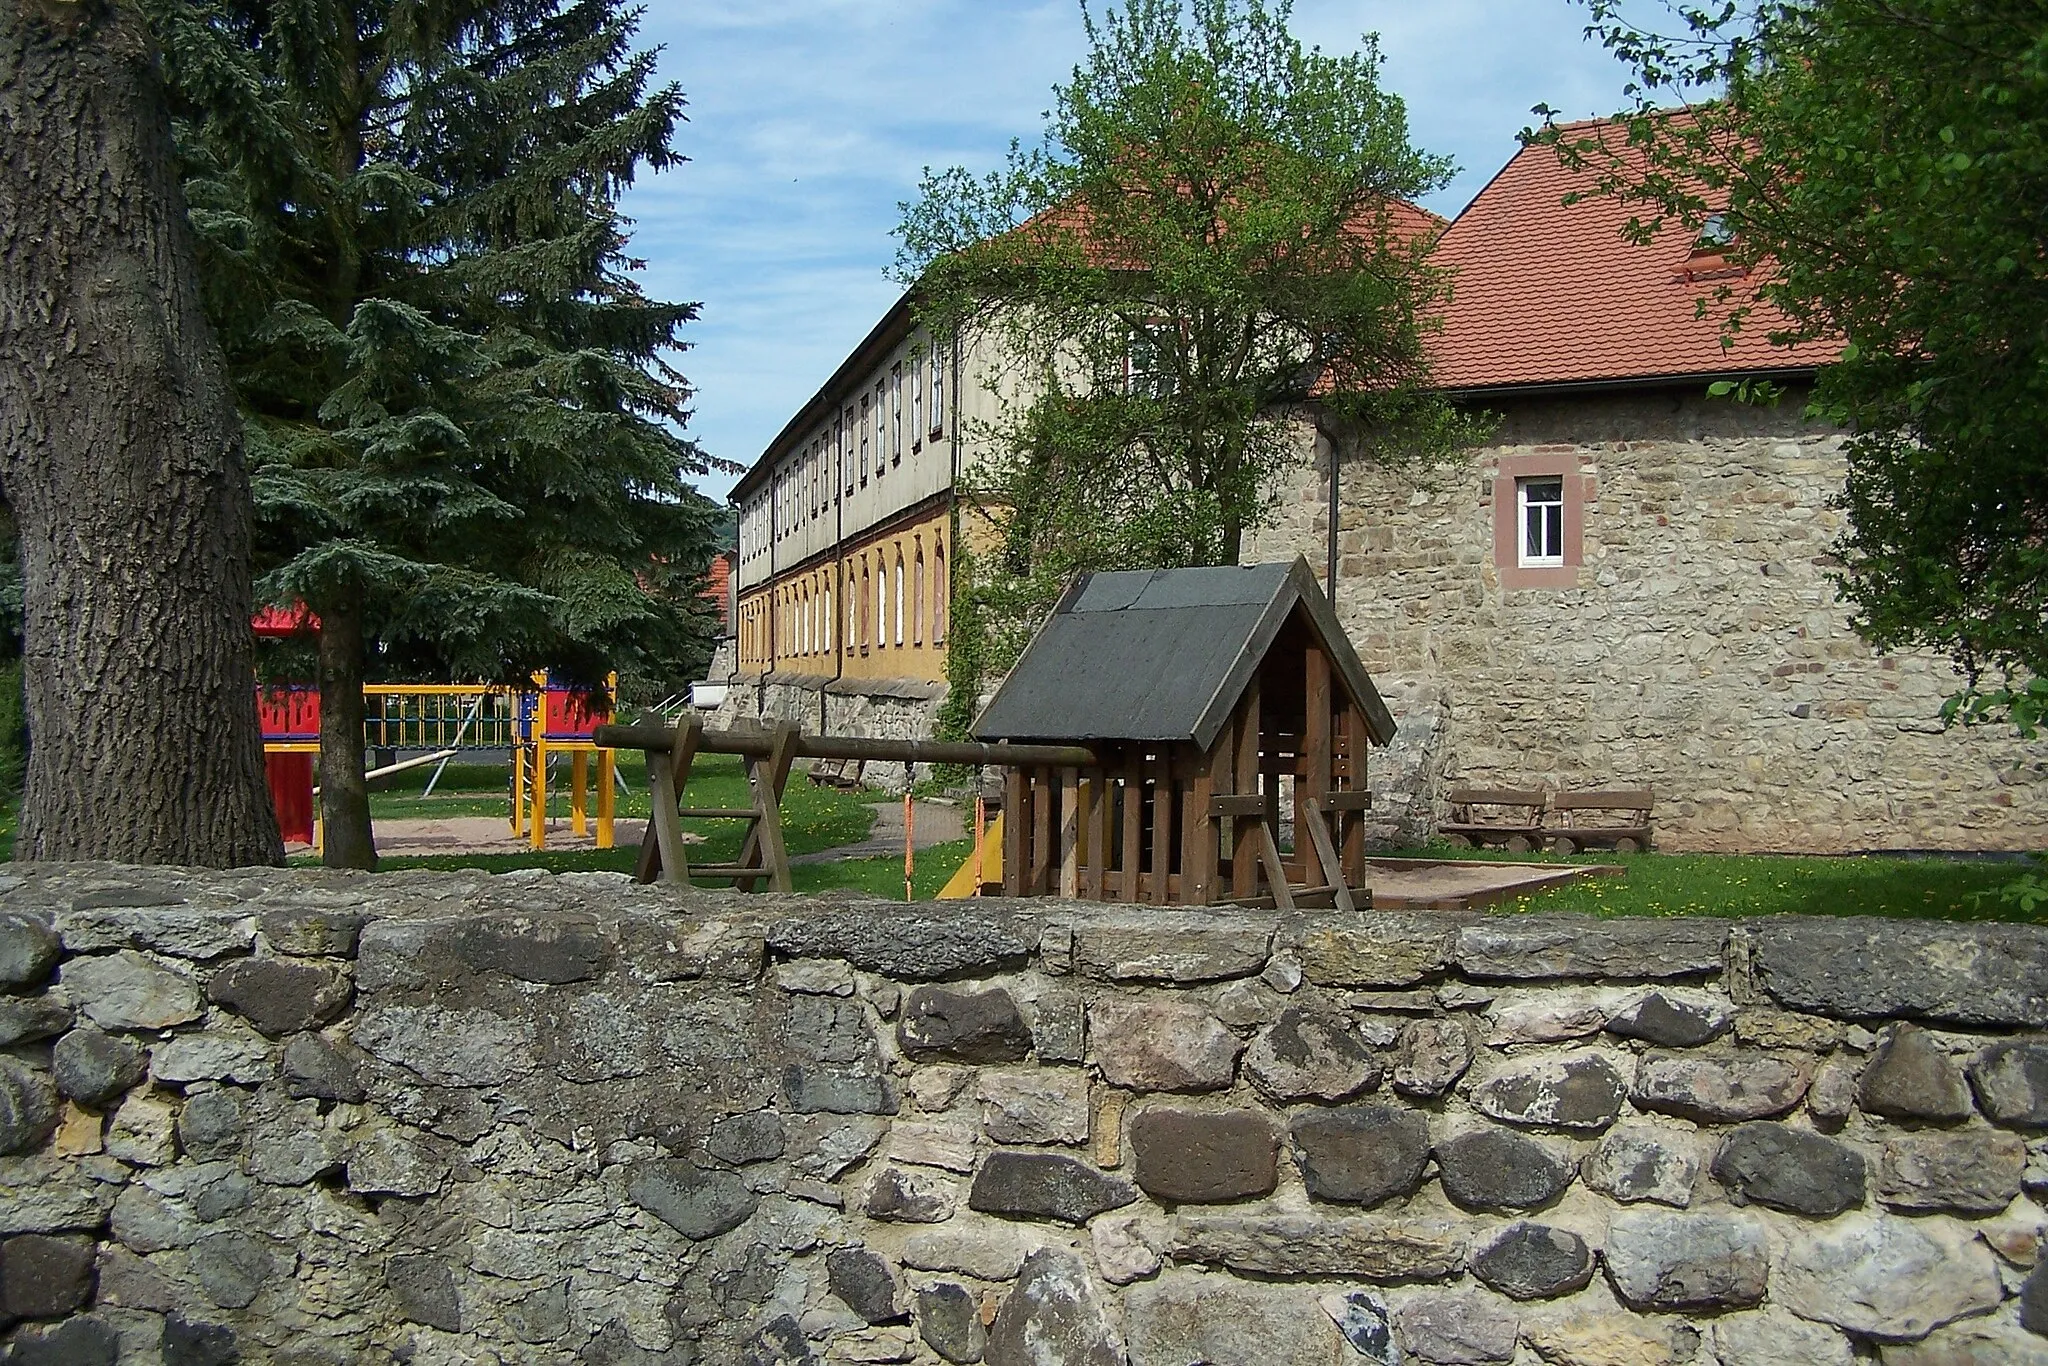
[[1163, 655]]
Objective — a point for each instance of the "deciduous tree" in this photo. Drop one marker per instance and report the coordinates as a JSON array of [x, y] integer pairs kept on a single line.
[[121, 456], [1880, 168], [1213, 234]]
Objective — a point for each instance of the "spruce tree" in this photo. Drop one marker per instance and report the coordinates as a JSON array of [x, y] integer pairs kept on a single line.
[[464, 441]]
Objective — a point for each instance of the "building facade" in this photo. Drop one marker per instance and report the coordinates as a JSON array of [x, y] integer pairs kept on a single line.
[[1629, 584]]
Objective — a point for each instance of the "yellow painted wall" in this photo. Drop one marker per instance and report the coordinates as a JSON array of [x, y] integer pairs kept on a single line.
[[889, 620]]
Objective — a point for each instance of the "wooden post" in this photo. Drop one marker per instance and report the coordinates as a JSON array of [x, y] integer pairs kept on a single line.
[[1244, 855], [537, 837], [662, 851], [1276, 872], [1198, 836], [1352, 846], [1070, 833], [1134, 815], [1162, 826], [1016, 817], [518, 788], [767, 775], [1313, 770], [1101, 815], [1326, 852]]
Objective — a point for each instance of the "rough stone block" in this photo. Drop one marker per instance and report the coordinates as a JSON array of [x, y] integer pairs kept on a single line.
[[2011, 1082], [1967, 1173], [905, 1197], [1886, 1277], [1529, 948], [75, 1342], [823, 1089], [1052, 1315], [450, 1047], [1581, 1091], [1151, 1045], [1431, 1055], [1187, 1317], [1486, 1169], [1548, 1016], [1044, 1106], [28, 1107], [1182, 947], [1369, 1248], [1772, 1337], [1974, 1342], [318, 1067], [1638, 1162], [695, 1203], [1789, 1169], [94, 1068], [912, 946], [217, 1054], [1127, 1246], [1306, 1055], [987, 1250], [212, 1125], [127, 990], [1457, 1328], [1380, 950], [1857, 968], [1361, 1154], [1526, 1261], [1695, 1260], [1197, 1157], [742, 1139], [979, 1027], [279, 996], [232, 1268], [311, 932], [155, 921], [1045, 1186], [43, 1277], [1720, 1089], [864, 1283], [29, 950], [1674, 1019], [143, 1131], [949, 1321], [1059, 1027], [1910, 1077], [944, 1143], [424, 1289], [25, 1019], [195, 1342]]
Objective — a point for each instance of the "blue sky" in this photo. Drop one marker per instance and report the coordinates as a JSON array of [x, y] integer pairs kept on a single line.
[[811, 120]]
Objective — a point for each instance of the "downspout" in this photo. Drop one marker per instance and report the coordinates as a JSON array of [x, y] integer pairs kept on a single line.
[[774, 627], [838, 612]]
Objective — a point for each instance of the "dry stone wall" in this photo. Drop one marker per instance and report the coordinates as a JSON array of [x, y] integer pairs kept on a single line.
[[313, 1118], [1702, 651]]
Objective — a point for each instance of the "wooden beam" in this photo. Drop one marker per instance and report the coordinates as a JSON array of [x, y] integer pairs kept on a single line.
[[1042, 790], [756, 742], [1276, 872], [1198, 840], [1162, 827], [662, 851], [1101, 811], [1134, 814], [1316, 740], [767, 775], [1326, 853]]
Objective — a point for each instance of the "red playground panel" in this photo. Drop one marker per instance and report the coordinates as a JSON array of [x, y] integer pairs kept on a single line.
[[291, 794], [289, 714], [572, 714]]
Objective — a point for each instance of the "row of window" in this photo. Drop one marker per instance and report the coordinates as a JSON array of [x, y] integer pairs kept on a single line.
[[890, 603], [870, 435]]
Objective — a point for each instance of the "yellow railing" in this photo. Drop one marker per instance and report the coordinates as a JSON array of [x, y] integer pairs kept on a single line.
[[439, 716]]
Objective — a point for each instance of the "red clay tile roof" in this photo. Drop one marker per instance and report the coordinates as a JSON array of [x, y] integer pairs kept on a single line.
[[1547, 294]]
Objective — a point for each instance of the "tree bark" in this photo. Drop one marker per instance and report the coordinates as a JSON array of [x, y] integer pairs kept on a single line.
[[120, 452], [345, 837]]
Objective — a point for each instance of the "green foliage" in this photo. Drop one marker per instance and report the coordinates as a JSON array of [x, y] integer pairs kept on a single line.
[[1207, 239], [460, 419], [1881, 165], [13, 730]]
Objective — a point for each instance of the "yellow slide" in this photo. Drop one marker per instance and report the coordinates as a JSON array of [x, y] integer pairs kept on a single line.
[[961, 885]]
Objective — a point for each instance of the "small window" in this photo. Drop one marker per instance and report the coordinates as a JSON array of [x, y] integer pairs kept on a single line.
[[1147, 369], [1717, 234], [917, 597], [899, 596], [938, 394], [896, 416], [846, 435], [916, 405], [881, 432], [939, 593], [863, 440], [881, 601], [1541, 505]]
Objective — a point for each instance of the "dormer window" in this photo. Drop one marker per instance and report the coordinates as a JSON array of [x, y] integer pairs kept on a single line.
[[1717, 234]]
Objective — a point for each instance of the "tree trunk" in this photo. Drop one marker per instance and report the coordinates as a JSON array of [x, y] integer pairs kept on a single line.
[[120, 451], [345, 836]]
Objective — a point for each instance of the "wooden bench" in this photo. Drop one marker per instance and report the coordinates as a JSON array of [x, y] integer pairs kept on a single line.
[[836, 772], [1617, 820], [1480, 816]]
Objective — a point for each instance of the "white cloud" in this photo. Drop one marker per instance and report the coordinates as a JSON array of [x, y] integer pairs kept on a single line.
[[811, 119]]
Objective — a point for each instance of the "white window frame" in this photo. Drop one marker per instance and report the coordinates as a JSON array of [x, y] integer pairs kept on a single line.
[[896, 414], [938, 394], [1549, 532]]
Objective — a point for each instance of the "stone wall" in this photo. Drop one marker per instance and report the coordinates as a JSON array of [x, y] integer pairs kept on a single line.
[[882, 709], [1702, 652], [315, 1118]]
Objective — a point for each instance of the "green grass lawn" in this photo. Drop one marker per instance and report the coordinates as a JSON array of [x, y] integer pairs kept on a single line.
[[1770, 884]]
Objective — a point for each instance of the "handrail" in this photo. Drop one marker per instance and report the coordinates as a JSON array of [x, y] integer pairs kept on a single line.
[[661, 739]]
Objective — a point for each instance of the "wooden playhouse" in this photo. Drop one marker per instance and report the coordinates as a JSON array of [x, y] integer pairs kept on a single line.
[[1217, 701]]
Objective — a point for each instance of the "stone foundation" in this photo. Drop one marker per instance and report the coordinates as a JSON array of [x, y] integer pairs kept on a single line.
[[314, 1118], [882, 709]]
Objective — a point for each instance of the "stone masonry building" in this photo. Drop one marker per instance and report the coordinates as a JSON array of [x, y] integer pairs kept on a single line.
[[1628, 585]]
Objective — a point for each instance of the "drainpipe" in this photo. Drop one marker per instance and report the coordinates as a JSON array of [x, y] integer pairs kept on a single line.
[[838, 612]]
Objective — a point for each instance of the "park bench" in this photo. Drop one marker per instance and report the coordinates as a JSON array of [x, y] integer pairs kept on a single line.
[[836, 772], [1617, 820], [1481, 816]]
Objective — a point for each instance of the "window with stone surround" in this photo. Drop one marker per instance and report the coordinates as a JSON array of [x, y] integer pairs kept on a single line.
[[1539, 518]]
